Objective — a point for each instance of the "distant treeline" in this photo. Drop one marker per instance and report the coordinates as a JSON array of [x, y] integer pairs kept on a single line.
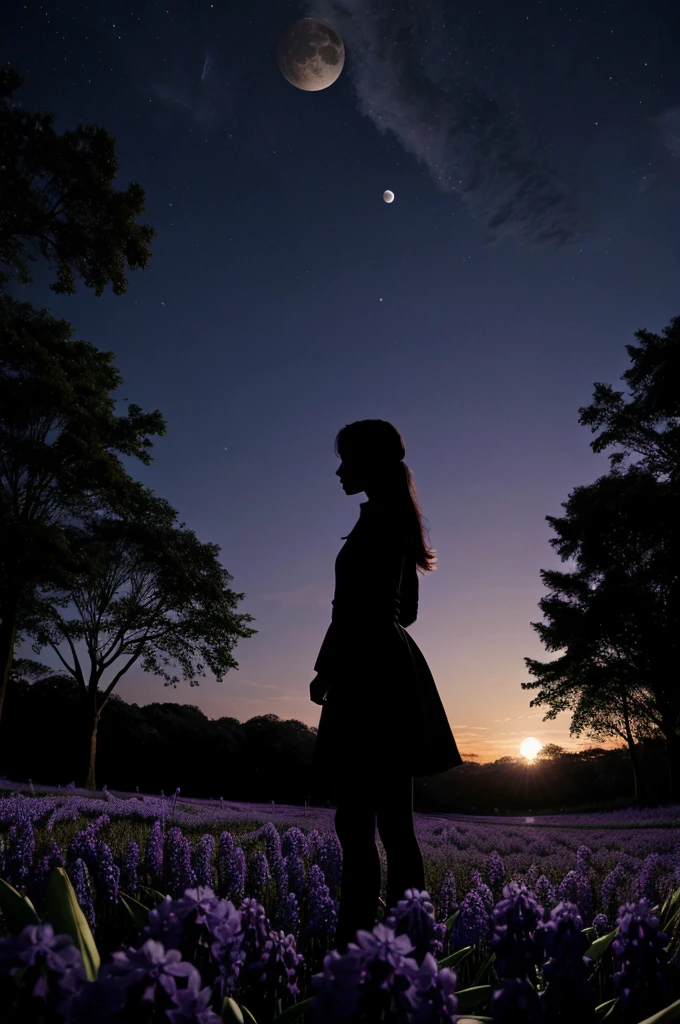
[[164, 745]]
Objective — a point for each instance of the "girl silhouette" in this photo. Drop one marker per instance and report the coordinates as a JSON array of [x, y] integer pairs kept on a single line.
[[382, 720]]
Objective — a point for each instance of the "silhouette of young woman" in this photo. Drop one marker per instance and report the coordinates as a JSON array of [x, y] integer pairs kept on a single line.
[[382, 721]]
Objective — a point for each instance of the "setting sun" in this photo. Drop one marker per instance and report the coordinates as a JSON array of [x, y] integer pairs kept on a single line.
[[530, 747]]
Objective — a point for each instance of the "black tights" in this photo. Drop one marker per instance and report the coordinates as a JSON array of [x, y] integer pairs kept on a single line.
[[361, 800]]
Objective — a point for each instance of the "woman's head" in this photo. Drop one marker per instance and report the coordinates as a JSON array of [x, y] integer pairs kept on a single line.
[[372, 453]]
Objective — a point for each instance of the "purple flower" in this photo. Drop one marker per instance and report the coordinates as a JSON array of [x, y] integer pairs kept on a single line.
[[613, 890], [154, 854], [569, 994], [21, 846], [226, 950], [329, 854], [129, 874], [164, 925], [192, 1004], [584, 860], [646, 882], [287, 917], [601, 925], [108, 874], [472, 924], [80, 880], [258, 874], [149, 968], [294, 841], [296, 874], [84, 844], [322, 913], [544, 892], [414, 916], [225, 852], [482, 888], [447, 897], [515, 920], [203, 860], [496, 869], [178, 860], [279, 974], [516, 1002], [431, 997], [47, 966], [641, 981]]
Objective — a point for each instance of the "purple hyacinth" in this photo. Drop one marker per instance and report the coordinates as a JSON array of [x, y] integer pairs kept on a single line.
[[236, 881], [42, 872], [21, 847], [472, 924], [613, 890], [544, 891], [192, 1004], [203, 861], [226, 950], [287, 918], [329, 854], [646, 882], [447, 902], [375, 969], [414, 916], [178, 862], [258, 874], [569, 994], [496, 869], [601, 925], [322, 912], [277, 867], [49, 966], [84, 844], [482, 888], [80, 880], [294, 841], [107, 874], [149, 973], [584, 860], [225, 852], [516, 918], [129, 877], [164, 925], [296, 874], [642, 978], [279, 973], [431, 997], [154, 855], [516, 1002]]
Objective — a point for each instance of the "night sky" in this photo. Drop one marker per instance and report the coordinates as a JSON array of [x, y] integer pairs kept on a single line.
[[534, 152]]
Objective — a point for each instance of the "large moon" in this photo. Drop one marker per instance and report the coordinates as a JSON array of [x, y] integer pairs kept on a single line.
[[310, 54]]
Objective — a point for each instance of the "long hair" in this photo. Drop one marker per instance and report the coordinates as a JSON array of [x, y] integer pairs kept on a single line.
[[379, 445]]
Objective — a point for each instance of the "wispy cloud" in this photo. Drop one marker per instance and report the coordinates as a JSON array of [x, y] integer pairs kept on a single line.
[[412, 79]]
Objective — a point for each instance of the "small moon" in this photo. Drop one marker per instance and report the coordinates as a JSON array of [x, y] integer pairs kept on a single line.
[[310, 54], [388, 196]]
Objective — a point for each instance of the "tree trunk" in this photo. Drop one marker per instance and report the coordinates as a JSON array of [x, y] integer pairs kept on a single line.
[[638, 776], [90, 782], [8, 637]]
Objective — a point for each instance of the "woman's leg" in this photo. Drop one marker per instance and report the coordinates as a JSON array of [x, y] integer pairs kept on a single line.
[[360, 882], [405, 868]]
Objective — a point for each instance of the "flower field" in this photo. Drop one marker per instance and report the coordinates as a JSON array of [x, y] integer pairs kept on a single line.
[[165, 909]]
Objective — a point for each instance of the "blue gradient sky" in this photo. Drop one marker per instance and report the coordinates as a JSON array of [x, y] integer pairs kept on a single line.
[[259, 324]]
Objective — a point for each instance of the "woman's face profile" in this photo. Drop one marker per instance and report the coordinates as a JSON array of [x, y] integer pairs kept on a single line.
[[352, 475]]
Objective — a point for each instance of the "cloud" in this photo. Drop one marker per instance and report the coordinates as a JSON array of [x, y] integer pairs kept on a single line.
[[412, 78]]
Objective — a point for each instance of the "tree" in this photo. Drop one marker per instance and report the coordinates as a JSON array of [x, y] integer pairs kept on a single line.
[[550, 751], [617, 617], [654, 381], [143, 588], [57, 200], [59, 445]]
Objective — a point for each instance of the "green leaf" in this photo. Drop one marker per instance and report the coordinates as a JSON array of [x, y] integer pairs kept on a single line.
[[604, 1009], [472, 1016], [455, 958], [671, 1012], [18, 909], [473, 998], [295, 1011], [231, 1011], [67, 918], [454, 915], [600, 945], [137, 911], [483, 969], [153, 894]]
